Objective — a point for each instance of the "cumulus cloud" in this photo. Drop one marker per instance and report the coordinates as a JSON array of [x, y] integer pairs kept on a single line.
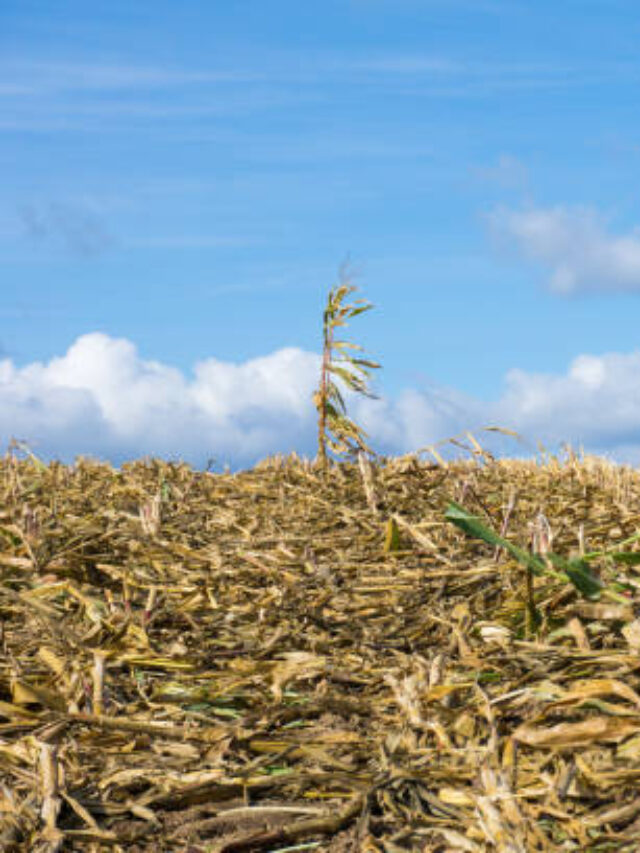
[[594, 403], [101, 398], [574, 245], [416, 418]]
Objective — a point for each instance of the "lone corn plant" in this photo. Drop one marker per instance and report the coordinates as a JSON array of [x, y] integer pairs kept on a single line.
[[575, 570], [340, 363]]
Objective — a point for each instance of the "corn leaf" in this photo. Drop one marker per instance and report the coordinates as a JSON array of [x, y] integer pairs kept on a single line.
[[579, 573], [472, 526]]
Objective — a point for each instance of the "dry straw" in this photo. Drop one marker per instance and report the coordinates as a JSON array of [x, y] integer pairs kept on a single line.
[[318, 660]]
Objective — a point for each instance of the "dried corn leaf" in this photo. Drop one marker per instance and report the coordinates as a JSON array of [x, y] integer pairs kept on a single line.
[[268, 674]]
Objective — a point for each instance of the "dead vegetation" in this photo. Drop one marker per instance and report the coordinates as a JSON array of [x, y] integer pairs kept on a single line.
[[290, 659]]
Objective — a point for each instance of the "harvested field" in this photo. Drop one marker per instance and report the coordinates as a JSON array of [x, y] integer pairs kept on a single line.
[[264, 661]]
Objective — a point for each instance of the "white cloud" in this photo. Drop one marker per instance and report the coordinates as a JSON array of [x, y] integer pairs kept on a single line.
[[101, 398], [596, 402], [574, 245], [417, 418]]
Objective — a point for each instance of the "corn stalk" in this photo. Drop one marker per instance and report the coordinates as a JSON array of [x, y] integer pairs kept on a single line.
[[341, 365]]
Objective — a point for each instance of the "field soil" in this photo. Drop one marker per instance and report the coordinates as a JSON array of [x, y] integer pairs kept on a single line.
[[288, 659]]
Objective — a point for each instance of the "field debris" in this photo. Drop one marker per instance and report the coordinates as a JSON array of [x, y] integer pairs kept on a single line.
[[287, 658]]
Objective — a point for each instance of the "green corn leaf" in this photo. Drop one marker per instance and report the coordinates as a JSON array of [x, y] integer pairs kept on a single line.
[[629, 558], [472, 526], [579, 573]]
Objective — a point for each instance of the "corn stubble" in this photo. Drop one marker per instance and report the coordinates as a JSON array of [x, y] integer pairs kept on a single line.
[[290, 657]]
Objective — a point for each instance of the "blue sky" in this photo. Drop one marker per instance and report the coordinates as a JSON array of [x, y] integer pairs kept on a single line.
[[182, 181]]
